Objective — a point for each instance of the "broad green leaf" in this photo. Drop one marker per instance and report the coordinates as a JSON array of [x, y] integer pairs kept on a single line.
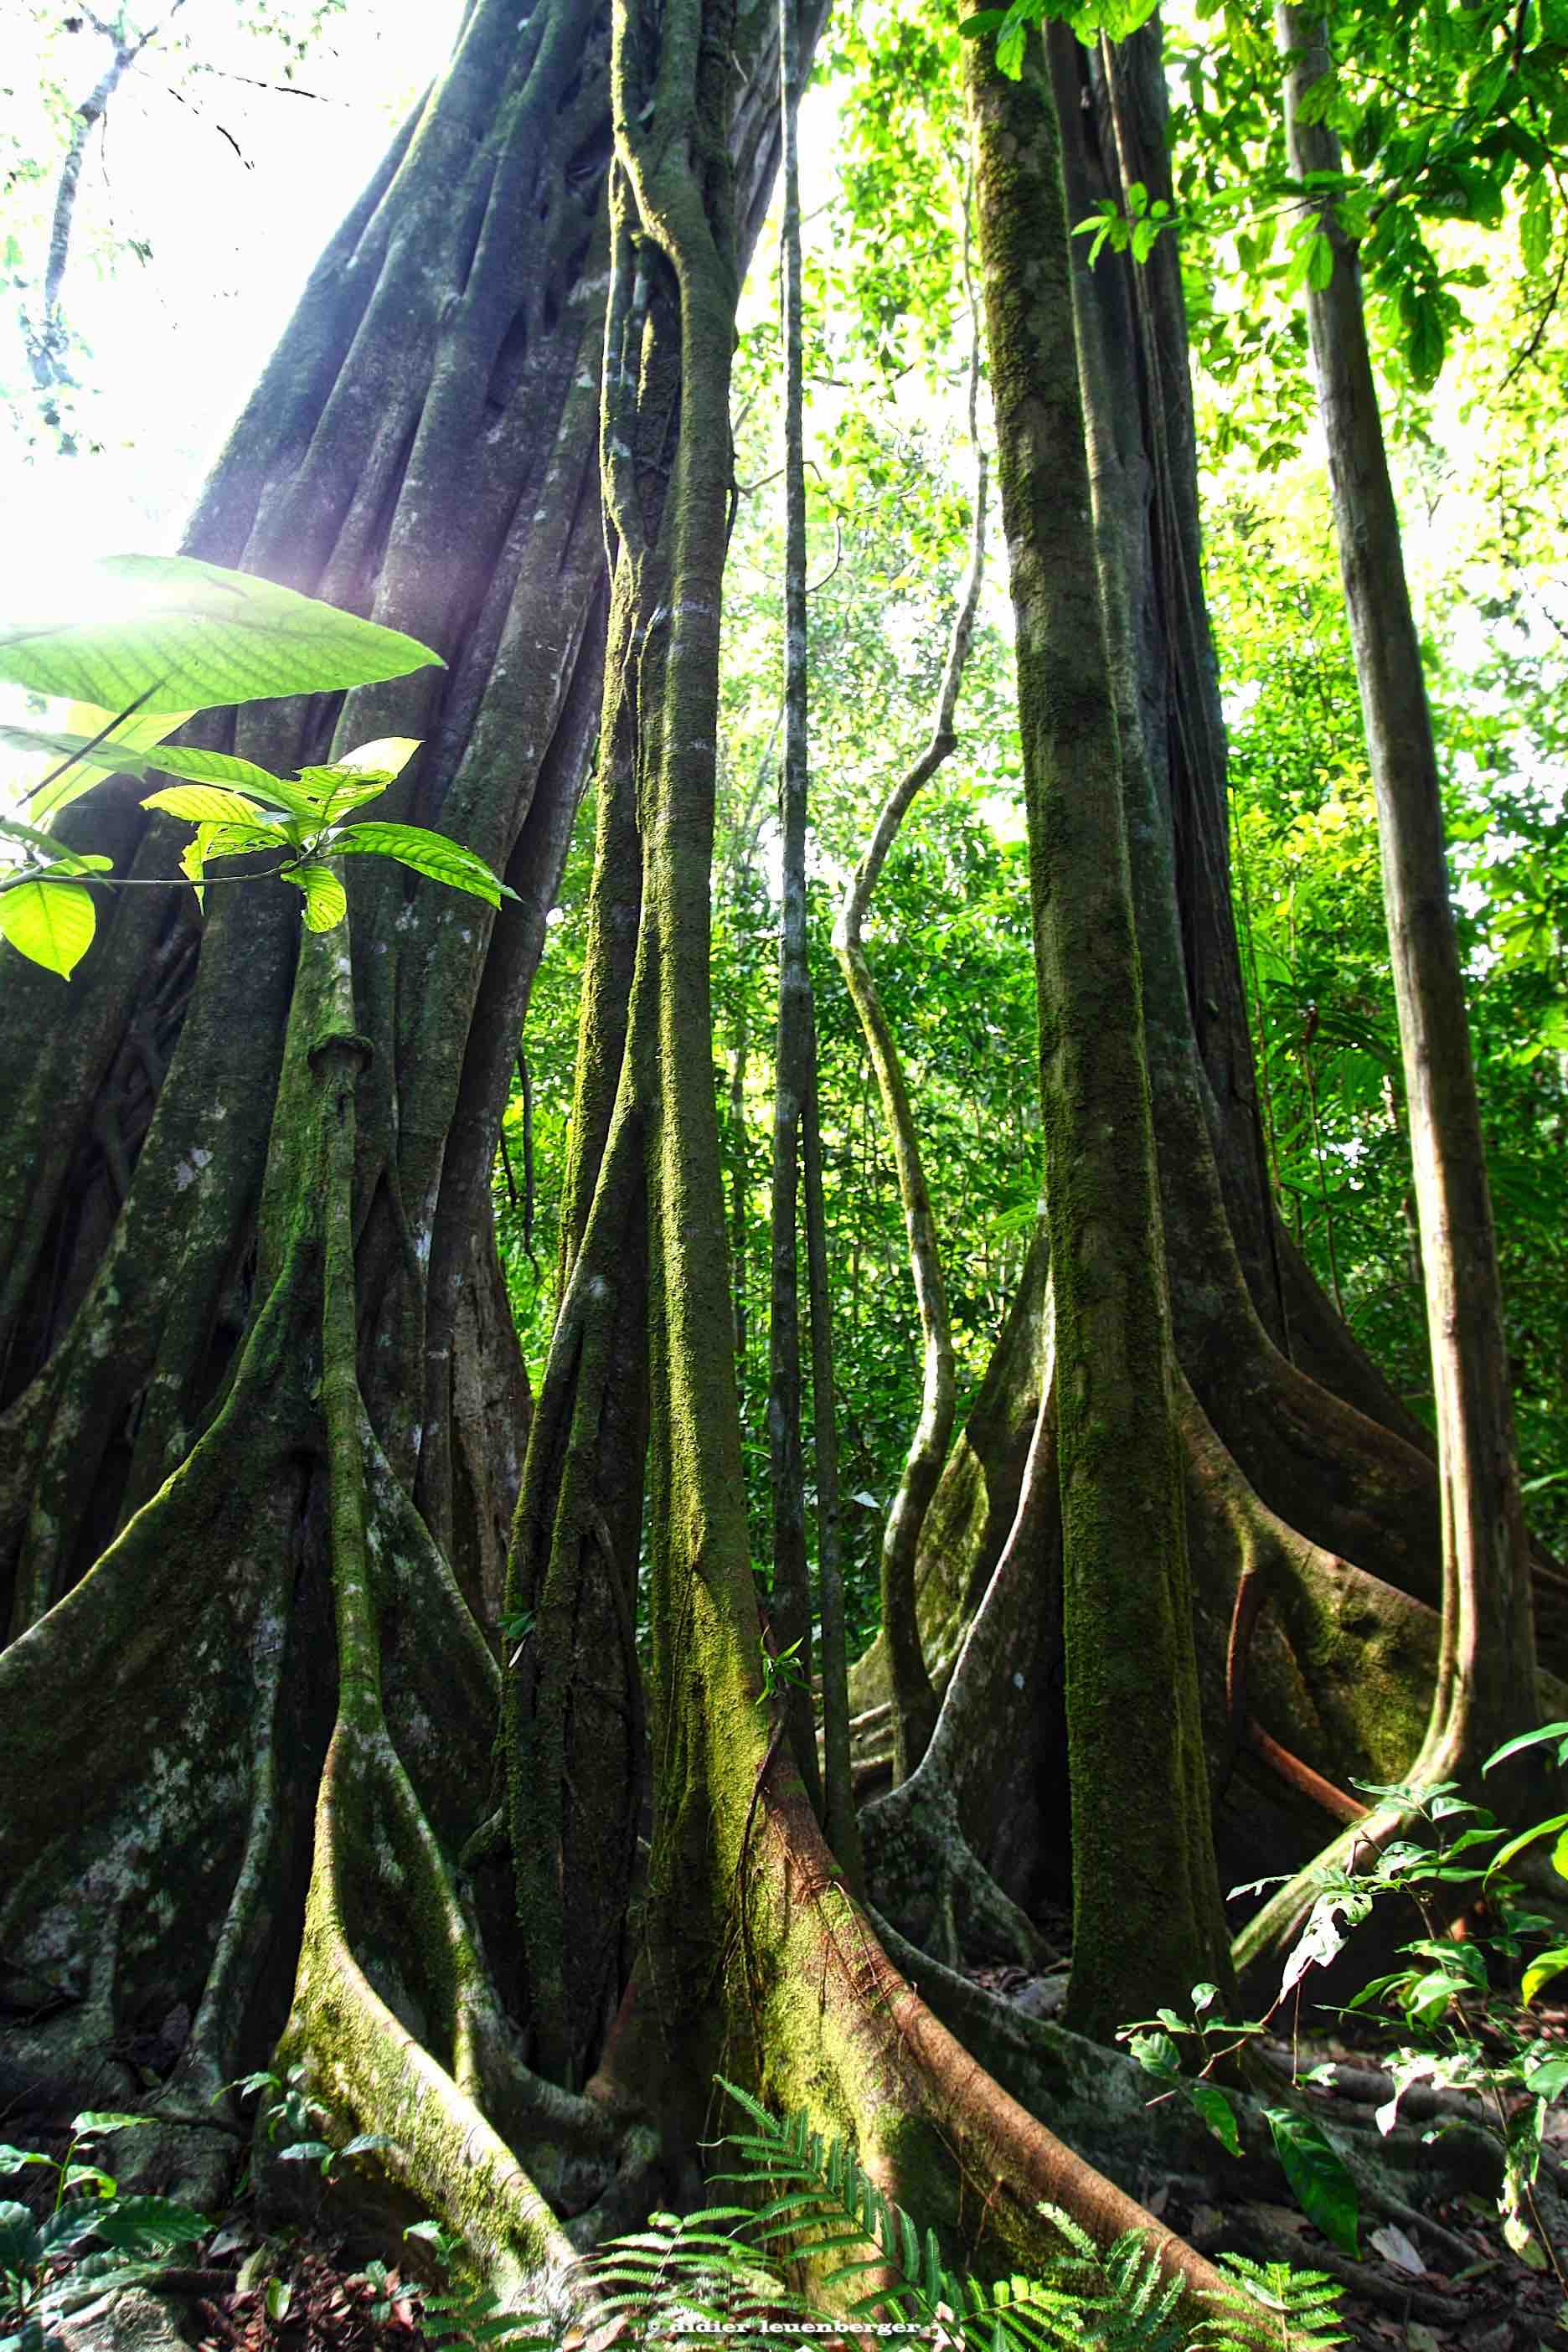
[[1323, 2186], [89, 2176], [195, 634], [239, 840], [20, 2243], [1535, 226], [203, 804], [354, 791], [1527, 1739], [1542, 1969], [1156, 2053], [326, 900], [127, 739], [1549, 2080], [387, 756], [1558, 1823], [214, 768], [92, 2120], [50, 922], [137, 2224], [426, 853], [1217, 2112]]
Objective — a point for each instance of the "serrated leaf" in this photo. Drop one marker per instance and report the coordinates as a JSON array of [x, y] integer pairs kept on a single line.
[[326, 900], [51, 923], [196, 635]]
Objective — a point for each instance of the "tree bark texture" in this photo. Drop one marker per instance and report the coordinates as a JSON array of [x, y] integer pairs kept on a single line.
[[1146, 1906], [1487, 1679], [423, 444]]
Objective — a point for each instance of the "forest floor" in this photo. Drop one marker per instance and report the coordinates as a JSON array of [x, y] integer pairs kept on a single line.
[[1438, 2279]]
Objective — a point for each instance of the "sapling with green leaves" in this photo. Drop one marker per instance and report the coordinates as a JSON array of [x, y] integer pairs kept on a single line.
[[1459, 2011], [91, 2238], [200, 637]]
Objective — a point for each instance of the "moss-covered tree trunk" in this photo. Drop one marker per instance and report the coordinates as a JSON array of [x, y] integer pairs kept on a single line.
[[1146, 1906], [423, 444], [1485, 1688], [1311, 1498]]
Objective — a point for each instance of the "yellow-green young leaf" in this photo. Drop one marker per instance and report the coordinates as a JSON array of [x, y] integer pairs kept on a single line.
[[214, 768], [351, 792], [195, 635], [239, 840], [204, 804], [124, 747], [388, 756], [1542, 1969], [50, 922], [326, 900], [426, 853]]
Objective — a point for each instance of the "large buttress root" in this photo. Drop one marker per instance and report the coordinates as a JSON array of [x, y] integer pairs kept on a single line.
[[413, 2062], [956, 1853]]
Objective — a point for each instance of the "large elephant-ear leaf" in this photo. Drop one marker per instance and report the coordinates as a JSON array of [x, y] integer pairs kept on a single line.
[[193, 636], [50, 922]]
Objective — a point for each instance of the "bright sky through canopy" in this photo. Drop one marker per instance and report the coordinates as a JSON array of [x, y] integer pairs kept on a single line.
[[176, 345]]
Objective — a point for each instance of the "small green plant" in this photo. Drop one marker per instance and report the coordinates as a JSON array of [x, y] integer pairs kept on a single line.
[[516, 1629], [465, 2313], [1458, 2013], [92, 2238], [202, 639], [782, 1670], [289, 2108], [723, 2275]]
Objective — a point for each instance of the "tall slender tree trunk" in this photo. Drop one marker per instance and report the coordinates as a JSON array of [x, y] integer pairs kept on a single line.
[[1487, 1685], [795, 1054], [1146, 1906]]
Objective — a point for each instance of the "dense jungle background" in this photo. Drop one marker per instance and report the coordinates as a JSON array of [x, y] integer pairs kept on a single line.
[[885, 1459]]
